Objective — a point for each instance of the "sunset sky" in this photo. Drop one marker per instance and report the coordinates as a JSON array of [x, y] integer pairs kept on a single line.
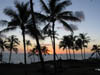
[[90, 25]]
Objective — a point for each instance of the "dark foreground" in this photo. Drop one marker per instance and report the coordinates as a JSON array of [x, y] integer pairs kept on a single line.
[[69, 67]]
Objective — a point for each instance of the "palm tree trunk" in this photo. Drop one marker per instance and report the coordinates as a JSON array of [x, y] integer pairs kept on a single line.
[[84, 52], [24, 44], [74, 53], [69, 54], [66, 55], [36, 37], [10, 55], [54, 48], [81, 54]]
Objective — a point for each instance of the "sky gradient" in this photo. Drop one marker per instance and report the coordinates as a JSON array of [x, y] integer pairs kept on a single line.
[[90, 25]]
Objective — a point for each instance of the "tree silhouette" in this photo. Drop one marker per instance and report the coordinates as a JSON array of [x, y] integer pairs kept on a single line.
[[63, 45], [35, 51], [96, 50], [54, 12], [32, 52], [19, 19], [28, 43], [67, 43], [79, 45], [12, 43], [2, 47], [35, 34], [85, 39]]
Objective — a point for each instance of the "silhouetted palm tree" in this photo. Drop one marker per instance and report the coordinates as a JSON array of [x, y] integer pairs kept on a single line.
[[96, 50], [85, 39], [63, 45], [28, 43], [2, 47], [79, 46], [35, 33], [73, 40], [19, 18], [54, 12], [35, 51], [67, 43], [12, 42], [32, 52]]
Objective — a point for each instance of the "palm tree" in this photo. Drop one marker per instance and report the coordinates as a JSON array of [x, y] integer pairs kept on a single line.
[[12, 42], [96, 50], [33, 30], [79, 46], [28, 43], [32, 53], [67, 43], [63, 45], [73, 40], [54, 12], [35, 51], [2, 47], [85, 39], [19, 18]]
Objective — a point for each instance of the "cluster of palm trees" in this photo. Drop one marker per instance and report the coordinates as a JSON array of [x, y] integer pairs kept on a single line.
[[73, 42], [34, 52], [26, 19], [9, 44]]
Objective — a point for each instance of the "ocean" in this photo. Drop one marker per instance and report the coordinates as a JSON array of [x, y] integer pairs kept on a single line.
[[19, 58]]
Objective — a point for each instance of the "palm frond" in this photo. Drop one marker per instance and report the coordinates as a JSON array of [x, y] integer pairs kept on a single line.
[[41, 17], [70, 18], [67, 26], [65, 13], [23, 10], [44, 6], [52, 4], [8, 29], [61, 6], [10, 12], [33, 32], [3, 22]]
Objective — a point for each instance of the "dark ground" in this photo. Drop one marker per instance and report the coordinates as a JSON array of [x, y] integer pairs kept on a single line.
[[64, 67]]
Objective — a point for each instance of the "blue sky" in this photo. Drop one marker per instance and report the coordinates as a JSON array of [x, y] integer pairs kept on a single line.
[[90, 25]]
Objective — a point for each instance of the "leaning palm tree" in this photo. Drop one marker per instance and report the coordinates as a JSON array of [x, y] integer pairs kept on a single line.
[[96, 50], [54, 12], [85, 39], [19, 19], [12, 42], [33, 30]]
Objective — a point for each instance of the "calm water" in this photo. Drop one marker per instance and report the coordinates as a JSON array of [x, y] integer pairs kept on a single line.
[[17, 58]]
